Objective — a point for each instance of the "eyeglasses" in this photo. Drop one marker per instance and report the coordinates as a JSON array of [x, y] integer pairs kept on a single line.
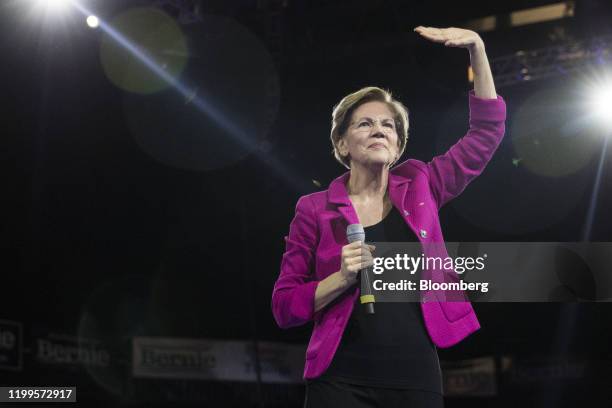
[[365, 125]]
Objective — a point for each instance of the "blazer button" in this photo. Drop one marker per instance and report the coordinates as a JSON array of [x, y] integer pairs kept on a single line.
[[423, 233]]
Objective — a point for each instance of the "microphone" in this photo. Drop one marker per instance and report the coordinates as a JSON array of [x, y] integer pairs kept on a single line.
[[355, 232]]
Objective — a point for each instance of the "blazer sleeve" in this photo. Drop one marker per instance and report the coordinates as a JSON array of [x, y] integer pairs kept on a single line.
[[452, 171], [294, 290]]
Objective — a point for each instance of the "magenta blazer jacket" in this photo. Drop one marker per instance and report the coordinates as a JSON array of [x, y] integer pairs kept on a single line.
[[417, 190]]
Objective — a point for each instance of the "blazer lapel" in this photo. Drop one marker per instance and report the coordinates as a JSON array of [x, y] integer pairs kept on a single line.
[[337, 194], [398, 186]]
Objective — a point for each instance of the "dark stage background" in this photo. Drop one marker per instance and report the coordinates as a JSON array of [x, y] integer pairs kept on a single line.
[[136, 214]]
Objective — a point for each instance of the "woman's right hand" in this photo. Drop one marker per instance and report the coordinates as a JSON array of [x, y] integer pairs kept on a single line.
[[355, 257]]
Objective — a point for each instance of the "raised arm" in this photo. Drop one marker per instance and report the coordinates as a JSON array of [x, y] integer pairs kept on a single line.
[[484, 86], [452, 171]]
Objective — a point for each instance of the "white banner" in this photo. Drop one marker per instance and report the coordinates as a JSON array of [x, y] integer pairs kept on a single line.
[[180, 358]]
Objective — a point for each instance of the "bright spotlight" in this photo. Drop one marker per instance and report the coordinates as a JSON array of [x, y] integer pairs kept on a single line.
[[93, 21], [602, 102], [54, 5], [597, 94]]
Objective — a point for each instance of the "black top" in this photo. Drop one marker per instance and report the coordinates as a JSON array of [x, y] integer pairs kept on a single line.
[[390, 348]]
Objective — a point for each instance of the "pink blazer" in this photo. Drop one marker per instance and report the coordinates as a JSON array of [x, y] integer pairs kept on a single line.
[[417, 190]]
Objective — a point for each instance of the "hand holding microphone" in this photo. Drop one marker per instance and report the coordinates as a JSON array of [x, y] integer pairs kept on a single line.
[[355, 234], [355, 257]]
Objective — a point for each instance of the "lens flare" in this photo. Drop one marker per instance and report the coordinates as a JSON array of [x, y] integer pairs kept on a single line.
[[54, 5], [150, 39], [601, 102], [93, 22]]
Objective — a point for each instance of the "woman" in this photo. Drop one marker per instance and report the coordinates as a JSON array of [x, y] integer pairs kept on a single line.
[[388, 359]]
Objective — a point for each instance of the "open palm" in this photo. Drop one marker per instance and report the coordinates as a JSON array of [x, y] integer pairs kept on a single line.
[[451, 37]]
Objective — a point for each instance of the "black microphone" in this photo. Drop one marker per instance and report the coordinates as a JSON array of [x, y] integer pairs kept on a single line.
[[355, 232]]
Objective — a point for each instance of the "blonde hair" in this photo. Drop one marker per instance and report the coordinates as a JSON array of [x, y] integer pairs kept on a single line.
[[342, 112]]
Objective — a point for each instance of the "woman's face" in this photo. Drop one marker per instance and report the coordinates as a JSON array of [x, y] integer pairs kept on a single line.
[[371, 137]]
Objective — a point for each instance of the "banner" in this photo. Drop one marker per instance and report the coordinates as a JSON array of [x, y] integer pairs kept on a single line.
[[11, 345], [160, 357]]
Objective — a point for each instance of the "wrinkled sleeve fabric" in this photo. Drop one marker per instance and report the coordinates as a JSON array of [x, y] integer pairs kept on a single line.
[[450, 173], [294, 290]]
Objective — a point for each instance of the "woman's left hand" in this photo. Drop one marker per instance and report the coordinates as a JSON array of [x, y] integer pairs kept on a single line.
[[459, 37], [451, 37]]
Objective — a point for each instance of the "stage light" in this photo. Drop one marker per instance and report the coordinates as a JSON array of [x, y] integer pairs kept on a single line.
[[54, 5], [92, 21], [601, 102], [597, 96]]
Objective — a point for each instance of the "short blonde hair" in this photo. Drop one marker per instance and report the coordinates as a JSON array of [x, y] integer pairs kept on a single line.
[[343, 111]]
